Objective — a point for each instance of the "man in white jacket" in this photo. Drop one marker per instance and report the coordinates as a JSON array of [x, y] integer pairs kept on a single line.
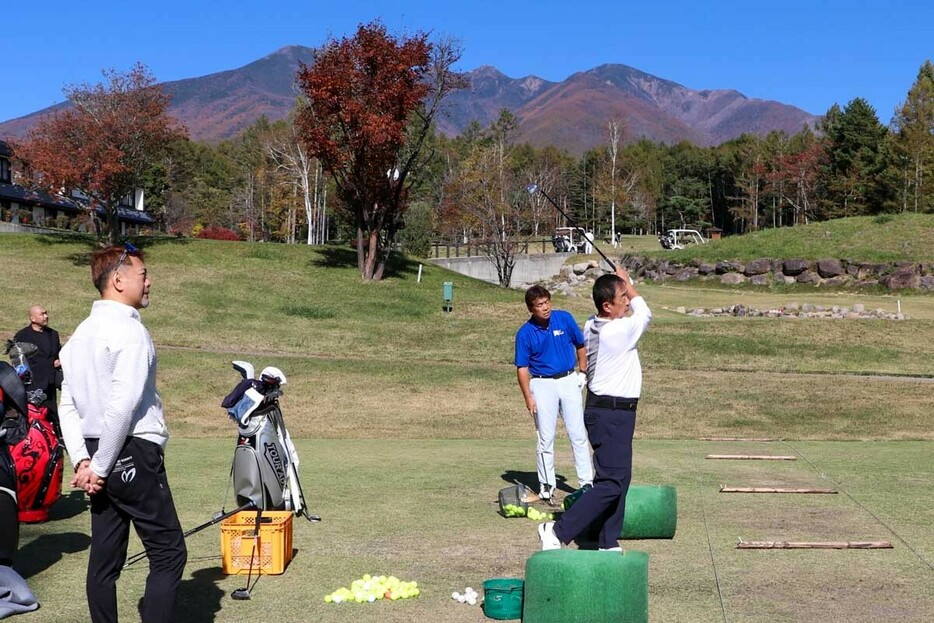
[[112, 421], [614, 384]]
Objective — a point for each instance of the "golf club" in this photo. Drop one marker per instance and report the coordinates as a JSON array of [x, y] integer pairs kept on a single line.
[[218, 517], [534, 188], [242, 594]]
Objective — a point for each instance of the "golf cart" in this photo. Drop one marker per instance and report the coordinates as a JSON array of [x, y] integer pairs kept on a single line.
[[680, 238], [570, 240]]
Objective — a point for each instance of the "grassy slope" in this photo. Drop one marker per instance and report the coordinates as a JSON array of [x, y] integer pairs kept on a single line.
[[864, 238]]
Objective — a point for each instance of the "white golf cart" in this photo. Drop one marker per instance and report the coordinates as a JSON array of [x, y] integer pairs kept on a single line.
[[680, 238], [571, 240]]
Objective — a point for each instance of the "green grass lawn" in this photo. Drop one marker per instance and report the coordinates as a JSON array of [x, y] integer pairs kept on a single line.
[[884, 238], [407, 419], [425, 510]]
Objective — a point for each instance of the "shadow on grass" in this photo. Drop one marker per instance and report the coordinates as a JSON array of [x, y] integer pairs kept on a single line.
[[530, 480], [344, 257], [47, 549], [92, 243], [69, 505], [198, 599]]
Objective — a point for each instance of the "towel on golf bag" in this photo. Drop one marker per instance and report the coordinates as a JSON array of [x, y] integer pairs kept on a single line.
[[15, 595], [38, 458]]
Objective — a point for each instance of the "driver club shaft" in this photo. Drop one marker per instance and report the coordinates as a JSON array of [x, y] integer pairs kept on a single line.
[[574, 224]]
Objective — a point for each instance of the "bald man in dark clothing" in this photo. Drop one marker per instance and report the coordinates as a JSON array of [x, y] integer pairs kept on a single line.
[[46, 368]]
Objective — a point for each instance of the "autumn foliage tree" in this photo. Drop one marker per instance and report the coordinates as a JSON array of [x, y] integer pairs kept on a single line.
[[103, 143], [370, 103]]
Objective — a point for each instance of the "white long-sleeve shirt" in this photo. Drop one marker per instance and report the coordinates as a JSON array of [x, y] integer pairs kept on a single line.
[[613, 367], [109, 389]]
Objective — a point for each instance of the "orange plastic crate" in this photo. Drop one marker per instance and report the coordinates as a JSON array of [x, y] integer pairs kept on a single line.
[[273, 549]]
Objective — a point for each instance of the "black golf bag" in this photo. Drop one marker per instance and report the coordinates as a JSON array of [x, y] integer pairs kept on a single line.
[[265, 463], [13, 427]]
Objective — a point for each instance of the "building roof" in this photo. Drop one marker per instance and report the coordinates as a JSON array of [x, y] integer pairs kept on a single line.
[[20, 194]]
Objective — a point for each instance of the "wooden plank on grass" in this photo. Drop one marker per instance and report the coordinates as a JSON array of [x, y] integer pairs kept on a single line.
[[752, 457], [726, 489], [814, 544]]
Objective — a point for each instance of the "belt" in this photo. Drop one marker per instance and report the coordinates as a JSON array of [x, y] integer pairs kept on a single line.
[[612, 402], [559, 375]]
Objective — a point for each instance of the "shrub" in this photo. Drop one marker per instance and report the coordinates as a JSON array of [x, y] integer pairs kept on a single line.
[[416, 235], [218, 233]]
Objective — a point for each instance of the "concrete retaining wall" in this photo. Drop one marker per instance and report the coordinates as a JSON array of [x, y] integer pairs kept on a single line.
[[528, 269]]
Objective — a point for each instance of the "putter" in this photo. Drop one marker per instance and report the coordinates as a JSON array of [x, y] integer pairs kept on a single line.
[[534, 188], [242, 594]]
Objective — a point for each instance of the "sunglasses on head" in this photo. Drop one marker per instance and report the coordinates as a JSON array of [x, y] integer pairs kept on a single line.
[[127, 249]]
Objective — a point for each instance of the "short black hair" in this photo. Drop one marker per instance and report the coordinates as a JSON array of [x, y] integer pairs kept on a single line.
[[604, 290], [535, 293]]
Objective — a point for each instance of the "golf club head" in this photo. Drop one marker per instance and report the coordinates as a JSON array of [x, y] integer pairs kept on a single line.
[[241, 594]]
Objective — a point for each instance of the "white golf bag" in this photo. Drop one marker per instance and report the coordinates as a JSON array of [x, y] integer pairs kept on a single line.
[[265, 463]]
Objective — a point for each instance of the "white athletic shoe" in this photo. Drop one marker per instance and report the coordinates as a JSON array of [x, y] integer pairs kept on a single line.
[[544, 492], [546, 532], [611, 549]]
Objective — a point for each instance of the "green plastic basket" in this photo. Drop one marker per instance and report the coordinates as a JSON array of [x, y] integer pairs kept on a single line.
[[502, 598]]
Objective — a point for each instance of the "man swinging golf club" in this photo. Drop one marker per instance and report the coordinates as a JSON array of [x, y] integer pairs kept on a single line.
[[111, 417], [614, 384]]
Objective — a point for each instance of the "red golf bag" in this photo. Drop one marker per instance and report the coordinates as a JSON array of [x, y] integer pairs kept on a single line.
[[38, 460]]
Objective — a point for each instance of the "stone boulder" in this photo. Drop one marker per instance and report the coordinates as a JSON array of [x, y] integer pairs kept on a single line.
[[760, 280], [758, 267], [686, 274], [706, 268], [837, 281], [794, 267], [902, 278], [732, 279], [829, 267], [927, 282], [808, 276]]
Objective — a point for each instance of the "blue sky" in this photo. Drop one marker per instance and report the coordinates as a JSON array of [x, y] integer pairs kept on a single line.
[[810, 54]]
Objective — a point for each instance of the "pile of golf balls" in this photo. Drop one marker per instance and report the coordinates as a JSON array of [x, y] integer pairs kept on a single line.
[[469, 597], [370, 588]]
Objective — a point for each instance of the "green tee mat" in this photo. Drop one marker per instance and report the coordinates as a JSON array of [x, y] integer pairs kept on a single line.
[[586, 586], [651, 512], [502, 598]]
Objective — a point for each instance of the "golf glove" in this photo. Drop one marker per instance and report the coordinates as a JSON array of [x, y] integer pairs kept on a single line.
[[581, 380]]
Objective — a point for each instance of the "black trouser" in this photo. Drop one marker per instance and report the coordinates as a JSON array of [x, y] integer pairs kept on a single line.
[[136, 490], [610, 431]]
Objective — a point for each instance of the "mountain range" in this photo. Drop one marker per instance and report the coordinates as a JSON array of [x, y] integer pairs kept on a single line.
[[571, 114]]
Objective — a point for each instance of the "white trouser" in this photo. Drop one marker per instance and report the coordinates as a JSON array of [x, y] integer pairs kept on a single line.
[[552, 396]]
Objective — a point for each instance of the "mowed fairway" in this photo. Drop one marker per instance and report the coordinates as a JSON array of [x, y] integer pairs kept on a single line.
[[408, 421]]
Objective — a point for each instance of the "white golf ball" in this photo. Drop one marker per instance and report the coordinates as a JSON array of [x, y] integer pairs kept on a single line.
[[472, 601], [455, 595]]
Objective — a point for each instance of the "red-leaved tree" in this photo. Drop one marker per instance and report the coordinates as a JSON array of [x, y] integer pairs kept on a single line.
[[102, 144], [370, 103]]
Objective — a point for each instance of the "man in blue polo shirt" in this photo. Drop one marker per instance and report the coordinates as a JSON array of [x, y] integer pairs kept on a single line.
[[548, 347]]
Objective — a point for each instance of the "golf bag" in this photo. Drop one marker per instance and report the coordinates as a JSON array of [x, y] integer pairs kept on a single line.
[[265, 463], [39, 460], [13, 411]]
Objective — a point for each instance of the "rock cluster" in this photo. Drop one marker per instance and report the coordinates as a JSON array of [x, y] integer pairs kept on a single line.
[[829, 272], [857, 311]]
